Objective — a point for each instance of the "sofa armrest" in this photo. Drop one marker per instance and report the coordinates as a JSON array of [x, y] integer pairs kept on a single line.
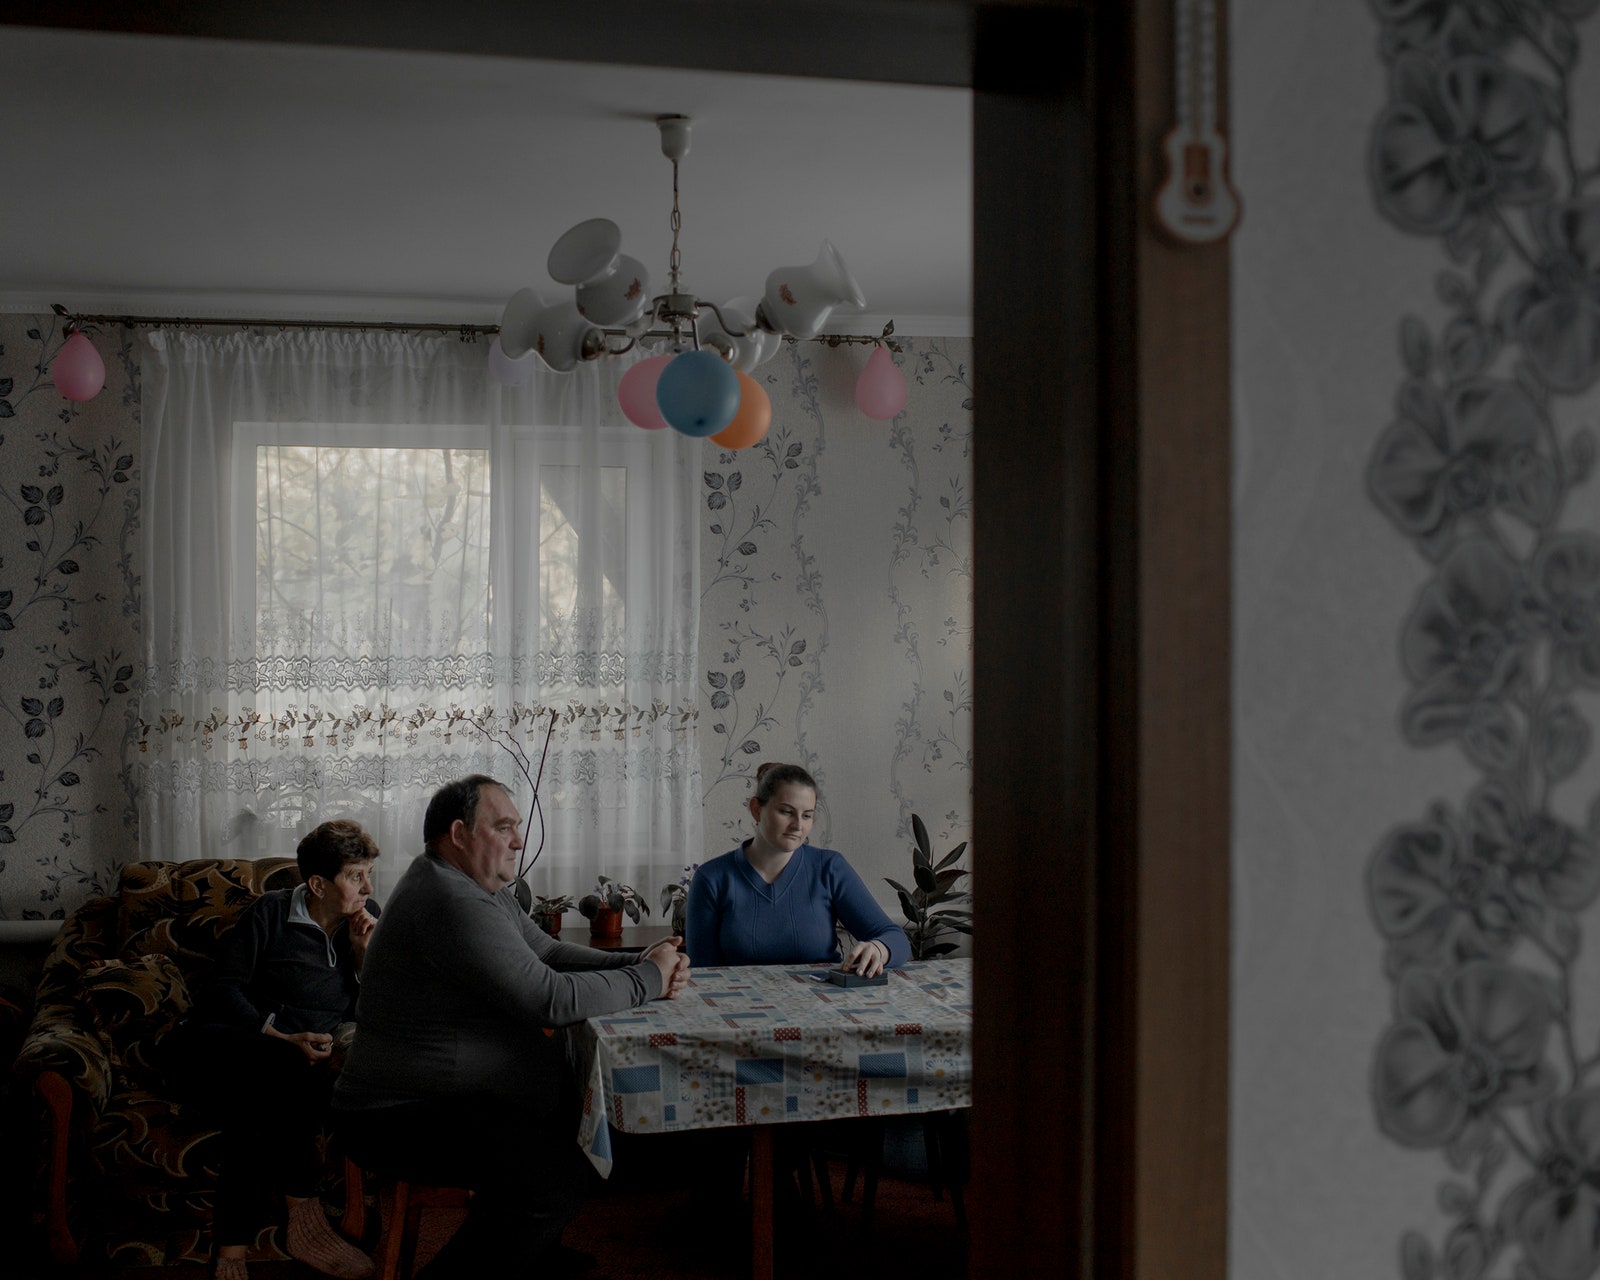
[[56, 1095], [62, 1036], [63, 1042], [66, 1065]]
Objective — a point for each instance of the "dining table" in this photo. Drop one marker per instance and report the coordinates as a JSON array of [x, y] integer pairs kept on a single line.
[[762, 1045]]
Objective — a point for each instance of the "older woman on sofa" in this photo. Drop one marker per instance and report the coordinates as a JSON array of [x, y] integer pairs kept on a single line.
[[258, 1046]]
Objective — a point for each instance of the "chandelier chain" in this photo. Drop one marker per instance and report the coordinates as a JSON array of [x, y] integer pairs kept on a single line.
[[676, 257]]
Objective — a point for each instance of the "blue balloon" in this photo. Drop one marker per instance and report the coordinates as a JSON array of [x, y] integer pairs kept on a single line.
[[698, 393]]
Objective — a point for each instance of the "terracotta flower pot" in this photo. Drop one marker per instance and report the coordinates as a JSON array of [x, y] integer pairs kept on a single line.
[[550, 924], [607, 923]]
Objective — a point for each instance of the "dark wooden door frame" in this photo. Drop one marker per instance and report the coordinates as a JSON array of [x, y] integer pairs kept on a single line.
[[1101, 651]]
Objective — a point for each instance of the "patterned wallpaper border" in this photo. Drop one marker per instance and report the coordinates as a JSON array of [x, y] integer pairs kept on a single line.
[[1488, 1059]]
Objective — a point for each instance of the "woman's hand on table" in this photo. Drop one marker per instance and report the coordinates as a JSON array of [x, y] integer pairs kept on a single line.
[[867, 958], [674, 966]]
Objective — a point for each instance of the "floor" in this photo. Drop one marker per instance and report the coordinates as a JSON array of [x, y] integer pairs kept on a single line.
[[637, 1233]]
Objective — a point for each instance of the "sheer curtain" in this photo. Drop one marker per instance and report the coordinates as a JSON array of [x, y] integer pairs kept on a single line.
[[369, 568]]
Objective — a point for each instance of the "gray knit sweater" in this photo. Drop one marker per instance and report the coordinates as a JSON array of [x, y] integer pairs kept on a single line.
[[459, 990]]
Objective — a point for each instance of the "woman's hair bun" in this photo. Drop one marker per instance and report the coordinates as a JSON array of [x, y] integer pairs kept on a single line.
[[774, 774]]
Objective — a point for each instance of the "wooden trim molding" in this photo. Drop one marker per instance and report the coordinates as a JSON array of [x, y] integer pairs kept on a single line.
[[909, 41], [1038, 602], [1101, 664], [56, 1094], [1184, 680]]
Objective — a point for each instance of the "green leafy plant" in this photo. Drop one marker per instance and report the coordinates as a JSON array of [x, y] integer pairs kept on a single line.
[[674, 896], [611, 895], [929, 917], [546, 912]]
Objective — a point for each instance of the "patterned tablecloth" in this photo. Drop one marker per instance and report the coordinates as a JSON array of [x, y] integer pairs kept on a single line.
[[772, 1044]]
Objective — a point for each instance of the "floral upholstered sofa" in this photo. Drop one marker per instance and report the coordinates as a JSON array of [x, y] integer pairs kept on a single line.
[[127, 1172]]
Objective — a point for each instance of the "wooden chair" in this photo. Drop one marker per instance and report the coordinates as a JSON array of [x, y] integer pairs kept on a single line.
[[945, 1139], [402, 1207], [807, 1162]]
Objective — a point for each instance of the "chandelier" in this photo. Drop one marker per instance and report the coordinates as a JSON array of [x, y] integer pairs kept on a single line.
[[698, 381]]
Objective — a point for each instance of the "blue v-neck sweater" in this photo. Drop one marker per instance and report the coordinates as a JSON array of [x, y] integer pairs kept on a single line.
[[736, 917]]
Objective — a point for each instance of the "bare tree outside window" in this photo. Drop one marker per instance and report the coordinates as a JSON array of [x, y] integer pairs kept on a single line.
[[353, 542], [582, 622]]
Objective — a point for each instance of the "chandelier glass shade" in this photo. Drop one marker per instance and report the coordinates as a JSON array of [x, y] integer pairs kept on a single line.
[[698, 381]]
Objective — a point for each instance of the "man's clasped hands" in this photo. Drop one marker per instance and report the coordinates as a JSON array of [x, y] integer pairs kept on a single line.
[[674, 966]]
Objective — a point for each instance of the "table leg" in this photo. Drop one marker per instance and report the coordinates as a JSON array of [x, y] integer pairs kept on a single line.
[[761, 1187]]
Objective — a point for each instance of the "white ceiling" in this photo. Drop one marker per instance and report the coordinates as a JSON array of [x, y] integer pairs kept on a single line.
[[169, 176]]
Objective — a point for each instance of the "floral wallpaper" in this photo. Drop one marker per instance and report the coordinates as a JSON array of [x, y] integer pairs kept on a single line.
[[835, 612], [69, 621], [1416, 981], [1488, 1058], [836, 607]]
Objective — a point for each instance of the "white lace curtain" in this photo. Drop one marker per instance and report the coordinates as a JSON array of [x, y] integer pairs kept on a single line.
[[369, 569]]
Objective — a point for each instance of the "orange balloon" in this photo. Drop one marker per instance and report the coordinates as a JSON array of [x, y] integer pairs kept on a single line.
[[752, 420]]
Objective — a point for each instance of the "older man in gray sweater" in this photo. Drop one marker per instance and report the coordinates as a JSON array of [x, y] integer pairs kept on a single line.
[[459, 1075]]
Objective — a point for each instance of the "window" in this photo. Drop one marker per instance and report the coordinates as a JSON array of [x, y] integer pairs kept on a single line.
[[373, 541], [561, 598], [400, 576]]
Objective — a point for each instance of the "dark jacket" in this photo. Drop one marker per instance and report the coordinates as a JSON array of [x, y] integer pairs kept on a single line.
[[292, 971]]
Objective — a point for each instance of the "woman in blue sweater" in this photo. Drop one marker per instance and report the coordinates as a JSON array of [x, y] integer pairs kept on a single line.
[[775, 898]]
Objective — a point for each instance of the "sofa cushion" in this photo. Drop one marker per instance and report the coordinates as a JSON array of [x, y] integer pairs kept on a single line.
[[135, 1004], [144, 1145], [185, 909]]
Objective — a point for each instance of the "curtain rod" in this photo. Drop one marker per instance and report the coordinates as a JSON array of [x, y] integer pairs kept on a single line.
[[465, 332]]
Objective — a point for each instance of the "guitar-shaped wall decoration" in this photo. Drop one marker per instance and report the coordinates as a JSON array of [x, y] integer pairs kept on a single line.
[[1196, 204]]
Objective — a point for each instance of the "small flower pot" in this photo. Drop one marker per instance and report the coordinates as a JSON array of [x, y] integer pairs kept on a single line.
[[607, 923], [550, 924]]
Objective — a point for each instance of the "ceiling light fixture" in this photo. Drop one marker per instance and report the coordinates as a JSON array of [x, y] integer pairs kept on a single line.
[[699, 382]]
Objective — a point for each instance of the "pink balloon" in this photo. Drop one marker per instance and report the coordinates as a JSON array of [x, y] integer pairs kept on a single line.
[[881, 389], [636, 393], [78, 370]]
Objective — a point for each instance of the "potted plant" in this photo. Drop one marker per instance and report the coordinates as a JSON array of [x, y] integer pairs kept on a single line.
[[547, 912], [928, 917], [604, 907], [675, 898]]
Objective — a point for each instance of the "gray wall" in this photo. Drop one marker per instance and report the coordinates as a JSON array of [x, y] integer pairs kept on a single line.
[[836, 608]]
